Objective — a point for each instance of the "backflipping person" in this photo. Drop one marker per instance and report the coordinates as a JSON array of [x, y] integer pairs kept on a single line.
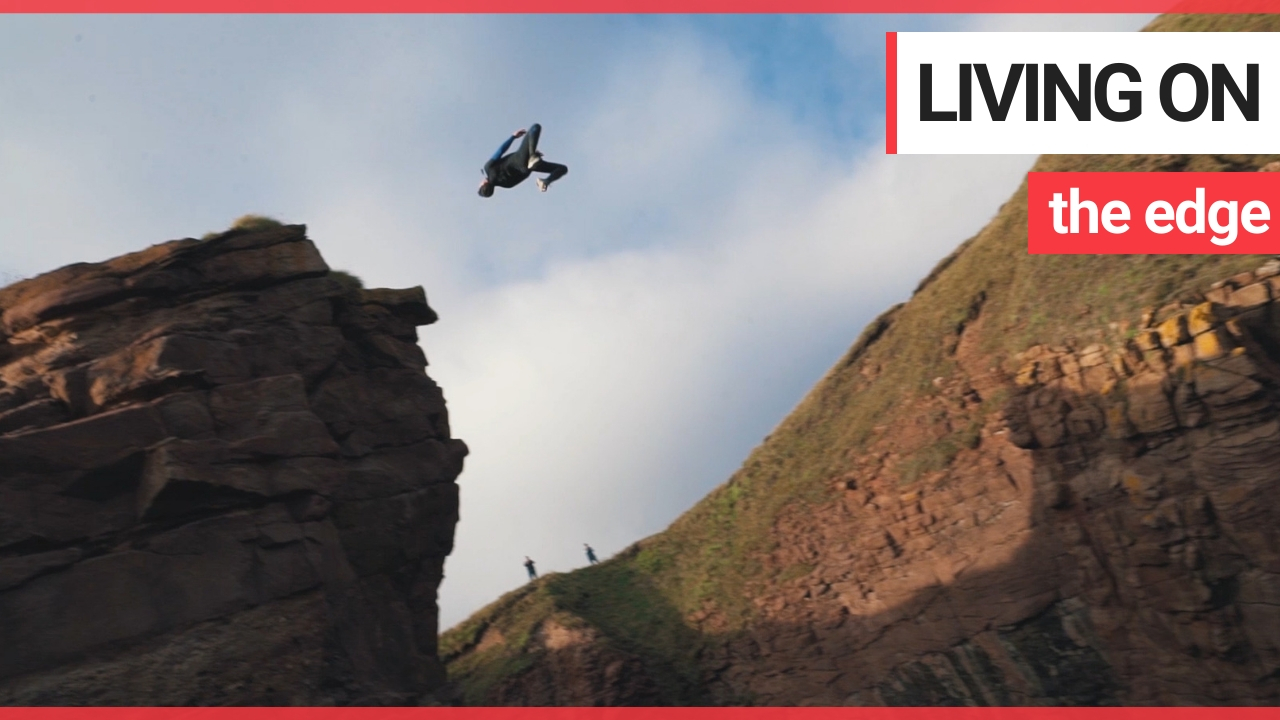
[[510, 170]]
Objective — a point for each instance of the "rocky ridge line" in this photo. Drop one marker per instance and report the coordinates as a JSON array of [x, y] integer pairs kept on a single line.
[[1095, 526]]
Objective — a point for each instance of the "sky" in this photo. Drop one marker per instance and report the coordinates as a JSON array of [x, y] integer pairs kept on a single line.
[[610, 350]]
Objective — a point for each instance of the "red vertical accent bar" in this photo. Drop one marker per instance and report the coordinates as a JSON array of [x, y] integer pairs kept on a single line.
[[891, 93]]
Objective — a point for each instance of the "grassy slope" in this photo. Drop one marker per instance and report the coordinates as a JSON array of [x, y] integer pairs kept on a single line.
[[710, 557]]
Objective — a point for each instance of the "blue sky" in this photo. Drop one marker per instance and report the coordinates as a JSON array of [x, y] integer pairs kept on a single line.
[[610, 350], [827, 72]]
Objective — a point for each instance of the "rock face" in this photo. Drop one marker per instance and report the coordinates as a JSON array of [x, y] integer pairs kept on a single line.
[[1108, 537], [225, 478], [1102, 528], [579, 669]]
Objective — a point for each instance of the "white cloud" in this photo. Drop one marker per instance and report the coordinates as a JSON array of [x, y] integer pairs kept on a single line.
[[610, 350]]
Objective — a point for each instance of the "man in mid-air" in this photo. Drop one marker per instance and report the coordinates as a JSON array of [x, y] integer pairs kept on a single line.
[[509, 171]]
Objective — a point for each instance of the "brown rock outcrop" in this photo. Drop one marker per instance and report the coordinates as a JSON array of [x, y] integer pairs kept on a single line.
[[225, 478], [1109, 538], [578, 669]]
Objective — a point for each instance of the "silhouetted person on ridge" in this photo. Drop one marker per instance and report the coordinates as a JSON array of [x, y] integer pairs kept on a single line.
[[591, 554], [509, 171], [528, 565]]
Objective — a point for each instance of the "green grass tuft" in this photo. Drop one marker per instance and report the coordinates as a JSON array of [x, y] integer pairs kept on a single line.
[[255, 222], [351, 282], [929, 459], [249, 223]]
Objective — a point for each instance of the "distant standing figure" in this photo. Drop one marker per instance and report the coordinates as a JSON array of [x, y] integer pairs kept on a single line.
[[591, 554], [528, 565]]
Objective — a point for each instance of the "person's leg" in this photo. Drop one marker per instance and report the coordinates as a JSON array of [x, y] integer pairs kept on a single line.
[[527, 153], [555, 172]]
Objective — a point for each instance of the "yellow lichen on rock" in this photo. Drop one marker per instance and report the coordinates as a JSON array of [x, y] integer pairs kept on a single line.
[[1173, 331], [1026, 376], [1209, 345], [1201, 319]]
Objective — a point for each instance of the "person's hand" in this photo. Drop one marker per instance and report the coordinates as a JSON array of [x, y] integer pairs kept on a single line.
[[518, 133]]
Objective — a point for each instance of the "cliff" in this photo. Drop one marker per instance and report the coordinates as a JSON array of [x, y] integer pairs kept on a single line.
[[1041, 480], [225, 478]]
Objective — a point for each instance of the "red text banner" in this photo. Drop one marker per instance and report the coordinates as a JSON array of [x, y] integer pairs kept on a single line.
[[1153, 213]]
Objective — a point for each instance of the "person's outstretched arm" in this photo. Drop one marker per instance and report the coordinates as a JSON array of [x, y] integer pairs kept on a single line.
[[506, 145]]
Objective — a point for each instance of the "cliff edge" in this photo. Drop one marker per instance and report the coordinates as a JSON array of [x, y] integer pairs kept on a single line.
[[225, 478]]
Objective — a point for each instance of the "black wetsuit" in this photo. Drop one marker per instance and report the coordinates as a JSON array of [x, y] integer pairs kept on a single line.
[[510, 170]]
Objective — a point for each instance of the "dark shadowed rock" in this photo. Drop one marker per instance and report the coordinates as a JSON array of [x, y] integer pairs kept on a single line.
[[224, 479]]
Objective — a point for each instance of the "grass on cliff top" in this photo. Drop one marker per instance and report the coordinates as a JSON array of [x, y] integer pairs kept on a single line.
[[348, 280], [516, 618], [613, 595], [711, 557], [249, 222], [255, 222]]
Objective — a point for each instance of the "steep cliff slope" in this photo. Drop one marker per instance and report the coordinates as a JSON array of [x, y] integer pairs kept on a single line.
[[225, 478], [1041, 480]]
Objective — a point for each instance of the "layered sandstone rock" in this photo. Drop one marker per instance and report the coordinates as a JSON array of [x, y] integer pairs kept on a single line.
[[224, 478], [1107, 536], [1095, 524], [577, 668]]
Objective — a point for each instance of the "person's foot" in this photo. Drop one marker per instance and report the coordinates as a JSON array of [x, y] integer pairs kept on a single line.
[[534, 158], [543, 185]]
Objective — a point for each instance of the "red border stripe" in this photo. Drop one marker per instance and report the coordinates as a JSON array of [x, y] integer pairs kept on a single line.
[[642, 6], [891, 93]]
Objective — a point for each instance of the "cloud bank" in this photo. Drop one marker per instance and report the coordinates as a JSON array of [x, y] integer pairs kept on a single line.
[[610, 350]]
